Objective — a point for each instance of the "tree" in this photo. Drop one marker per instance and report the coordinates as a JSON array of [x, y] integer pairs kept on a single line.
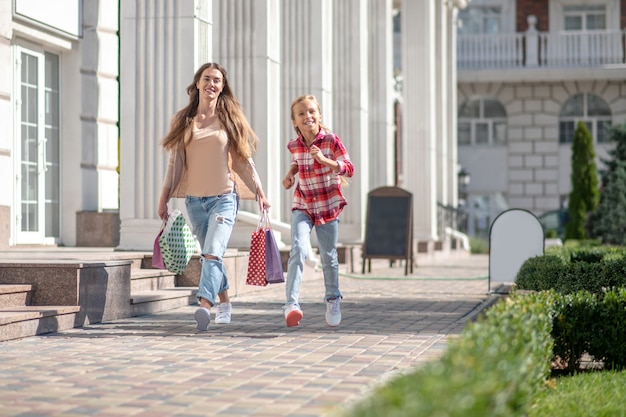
[[585, 195], [609, 221]]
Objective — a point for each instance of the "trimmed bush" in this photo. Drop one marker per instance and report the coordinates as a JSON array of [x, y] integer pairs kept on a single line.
[[493, 369]]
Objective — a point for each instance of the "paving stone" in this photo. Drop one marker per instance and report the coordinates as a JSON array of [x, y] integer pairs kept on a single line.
[[160, 365]]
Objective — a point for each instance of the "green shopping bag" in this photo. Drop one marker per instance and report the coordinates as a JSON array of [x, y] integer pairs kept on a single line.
[[177, 243]]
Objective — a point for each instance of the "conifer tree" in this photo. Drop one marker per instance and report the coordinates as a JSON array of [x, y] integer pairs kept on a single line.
[[584, 196], [609, 221]]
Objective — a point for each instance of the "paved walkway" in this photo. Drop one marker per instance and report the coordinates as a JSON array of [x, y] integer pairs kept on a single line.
[[159, 365]]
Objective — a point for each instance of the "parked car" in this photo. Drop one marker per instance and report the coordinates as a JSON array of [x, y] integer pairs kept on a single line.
[[555, 220]]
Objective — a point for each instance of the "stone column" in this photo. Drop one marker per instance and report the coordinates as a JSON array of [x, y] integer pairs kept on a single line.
[[248, 46], [441, 97], [307, 68], [351, 105], [451, 108], [160, 52], [99, 131], [381, 127], [419, 114]]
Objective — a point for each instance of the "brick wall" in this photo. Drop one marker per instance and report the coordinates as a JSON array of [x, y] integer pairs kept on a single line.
[[539, 8]]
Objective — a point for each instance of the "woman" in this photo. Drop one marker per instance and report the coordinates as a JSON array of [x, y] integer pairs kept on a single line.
[[210, 164]]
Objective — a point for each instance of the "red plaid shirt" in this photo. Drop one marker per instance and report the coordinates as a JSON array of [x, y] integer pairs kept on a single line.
[[318, 192]]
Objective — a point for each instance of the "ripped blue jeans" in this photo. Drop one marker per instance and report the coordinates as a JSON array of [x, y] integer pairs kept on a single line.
[[212, 221]]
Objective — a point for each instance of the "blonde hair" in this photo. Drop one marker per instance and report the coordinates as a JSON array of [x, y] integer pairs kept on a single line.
[[229, 112], [299, 100]]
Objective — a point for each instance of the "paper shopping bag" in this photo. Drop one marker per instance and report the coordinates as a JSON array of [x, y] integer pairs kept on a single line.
[[256, 259], [273, 264], [157, 258]]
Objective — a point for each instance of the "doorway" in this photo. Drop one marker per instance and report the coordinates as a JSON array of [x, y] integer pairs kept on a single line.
[[37, 148]]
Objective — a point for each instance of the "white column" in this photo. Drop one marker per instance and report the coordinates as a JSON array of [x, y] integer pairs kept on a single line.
[[419, 114], [247, 34], [99, 112], [441, 96], [451, 108], [159, 55], [351, 106], [306, 63], [381, 84]]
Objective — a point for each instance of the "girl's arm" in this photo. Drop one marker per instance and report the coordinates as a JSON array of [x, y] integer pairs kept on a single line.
[[290, 177]]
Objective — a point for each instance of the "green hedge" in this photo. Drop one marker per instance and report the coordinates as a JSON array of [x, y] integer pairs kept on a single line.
[[570, 269], [501, 361], [493, 369]]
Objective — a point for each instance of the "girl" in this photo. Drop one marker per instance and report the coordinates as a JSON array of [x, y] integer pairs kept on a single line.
[[210, 165], [320, 160]]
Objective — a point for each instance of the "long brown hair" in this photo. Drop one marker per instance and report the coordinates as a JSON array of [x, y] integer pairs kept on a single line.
[[229, 112]]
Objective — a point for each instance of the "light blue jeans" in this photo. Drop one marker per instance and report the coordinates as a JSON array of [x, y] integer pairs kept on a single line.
[[327, 235], [212, 221]]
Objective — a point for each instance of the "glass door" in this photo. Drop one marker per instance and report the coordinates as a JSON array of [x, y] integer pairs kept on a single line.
[[37, 146]]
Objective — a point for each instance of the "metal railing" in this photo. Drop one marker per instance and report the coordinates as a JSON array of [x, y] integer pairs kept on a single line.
[[454, 218]]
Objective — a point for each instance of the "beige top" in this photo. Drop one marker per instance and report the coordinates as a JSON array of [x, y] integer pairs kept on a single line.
[[237, 169], [207, 162]]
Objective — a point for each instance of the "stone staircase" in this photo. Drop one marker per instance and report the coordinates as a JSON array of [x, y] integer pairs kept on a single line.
[[45, 291], [18, 318], [63, 289]]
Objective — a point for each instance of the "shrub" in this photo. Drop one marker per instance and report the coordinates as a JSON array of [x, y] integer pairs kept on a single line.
[[493, 369], [478, 245], [610, 216], [584, 196]]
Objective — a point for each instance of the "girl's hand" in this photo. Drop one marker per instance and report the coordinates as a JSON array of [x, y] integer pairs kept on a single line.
[[288, 181], [317, 154]]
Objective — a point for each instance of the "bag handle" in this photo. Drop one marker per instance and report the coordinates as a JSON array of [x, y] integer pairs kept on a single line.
[[264, 221]]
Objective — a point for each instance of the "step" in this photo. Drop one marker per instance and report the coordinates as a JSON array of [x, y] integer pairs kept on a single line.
[[149, 302], [27, 321], [151, 279], [14, 295]]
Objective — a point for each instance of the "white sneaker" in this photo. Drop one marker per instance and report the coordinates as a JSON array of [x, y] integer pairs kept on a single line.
[[203, 318], [333, 312], [224, 311], [293, 315]]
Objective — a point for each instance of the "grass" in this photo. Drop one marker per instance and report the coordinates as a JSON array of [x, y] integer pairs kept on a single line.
[[589, 394]]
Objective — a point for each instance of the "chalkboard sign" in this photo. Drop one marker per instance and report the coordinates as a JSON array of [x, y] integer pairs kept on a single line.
[[389, 226]]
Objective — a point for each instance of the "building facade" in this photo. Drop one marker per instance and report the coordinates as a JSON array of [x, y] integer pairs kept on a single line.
[[528, 71], [59, 116], [88, 88], [342, 52]]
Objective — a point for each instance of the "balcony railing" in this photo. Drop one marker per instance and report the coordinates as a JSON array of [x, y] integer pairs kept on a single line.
[[541, 49]]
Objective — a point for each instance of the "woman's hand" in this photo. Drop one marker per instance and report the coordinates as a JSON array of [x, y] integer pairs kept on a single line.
[[263, 203], [163, 211]]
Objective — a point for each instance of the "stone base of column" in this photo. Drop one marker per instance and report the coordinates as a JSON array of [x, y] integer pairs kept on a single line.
[[97, 229]]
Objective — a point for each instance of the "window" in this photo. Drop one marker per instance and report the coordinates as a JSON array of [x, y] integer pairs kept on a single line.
[[482, 121], [590, 109], [480, 20], [582, 18]]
